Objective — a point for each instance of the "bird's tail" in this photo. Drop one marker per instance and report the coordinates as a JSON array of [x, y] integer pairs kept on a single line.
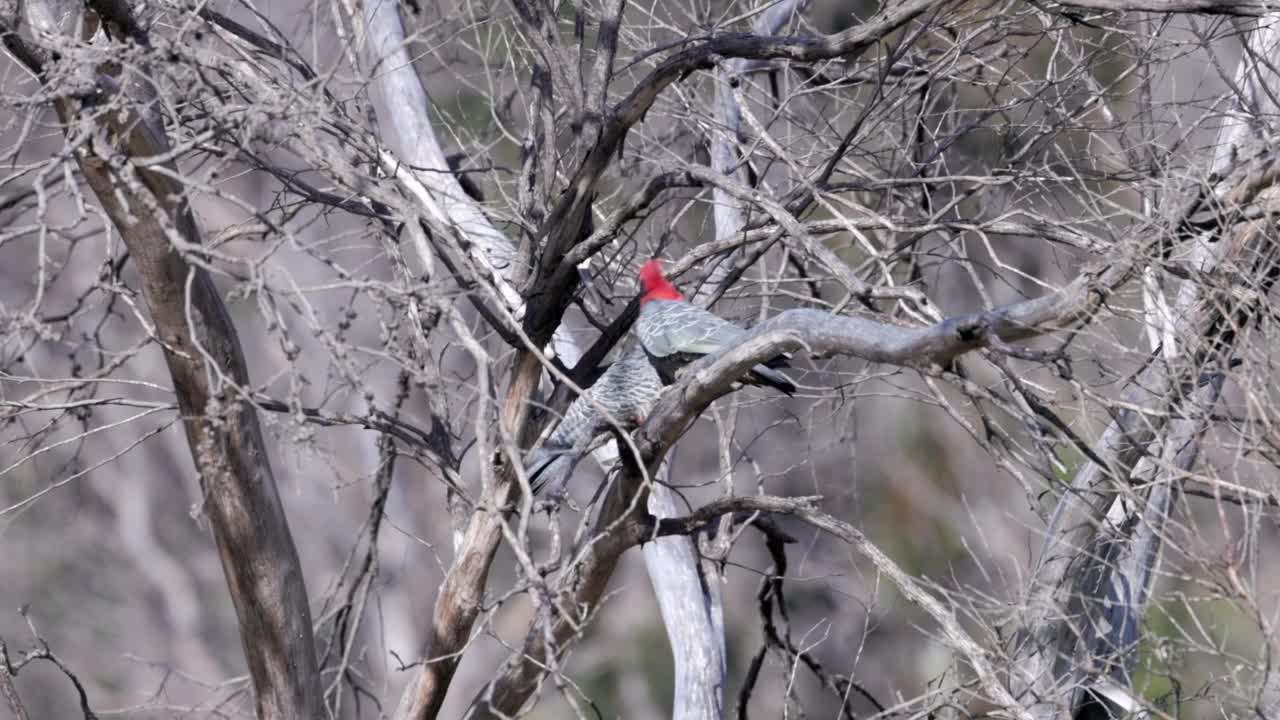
[[763, 375], [549, 468]]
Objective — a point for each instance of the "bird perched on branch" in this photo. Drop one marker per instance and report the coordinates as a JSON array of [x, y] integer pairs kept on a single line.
[[626, 391], [674, 332]]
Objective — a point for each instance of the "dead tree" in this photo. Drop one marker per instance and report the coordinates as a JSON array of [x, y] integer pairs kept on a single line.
[[1006, 211]]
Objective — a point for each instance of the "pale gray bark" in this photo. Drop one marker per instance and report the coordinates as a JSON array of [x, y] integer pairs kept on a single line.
[[204, 358], [806, 510], [1208, 7], [696, 642], [1094, 572], [686, 588], [405, 125], [689, 613]]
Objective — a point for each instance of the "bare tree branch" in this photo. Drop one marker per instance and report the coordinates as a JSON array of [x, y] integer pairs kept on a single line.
[[1026, 265], [7, 687], [563, 227], [1057, 605], [1209, 7], [805, 508], [458, 602], [686, 588], [209, 375]]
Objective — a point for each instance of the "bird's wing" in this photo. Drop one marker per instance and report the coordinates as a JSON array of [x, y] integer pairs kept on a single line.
[[685, 328]]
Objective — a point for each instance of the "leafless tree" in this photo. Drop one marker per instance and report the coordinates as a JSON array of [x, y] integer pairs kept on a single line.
[[318, 280]]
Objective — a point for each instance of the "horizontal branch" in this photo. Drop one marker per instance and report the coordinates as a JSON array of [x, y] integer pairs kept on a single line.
[[714, 510], [562, 229], [436, 442], [825, 334], [806, 509], [623, 521], [1246, 8]]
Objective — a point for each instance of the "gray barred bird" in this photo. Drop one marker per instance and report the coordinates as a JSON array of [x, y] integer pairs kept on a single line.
[[674, 332], [627, 390]]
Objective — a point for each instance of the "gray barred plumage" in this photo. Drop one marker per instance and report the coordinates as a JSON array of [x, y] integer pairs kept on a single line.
[[674, 332], [627, 390]]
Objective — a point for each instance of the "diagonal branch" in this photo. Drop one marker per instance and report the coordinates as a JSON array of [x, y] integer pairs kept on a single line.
[[689, 601], [825, 334], [407, 124], [805, 508], [563, 227], [1074, 573], [1246, 8], [148, 207]]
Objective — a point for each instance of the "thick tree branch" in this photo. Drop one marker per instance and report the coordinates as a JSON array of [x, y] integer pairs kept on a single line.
[[406, 125], [805, 508], [406, 120], [1058, 603], [824, 334], [563, 228], [149, 209], [1246, 8], [692, 610]]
